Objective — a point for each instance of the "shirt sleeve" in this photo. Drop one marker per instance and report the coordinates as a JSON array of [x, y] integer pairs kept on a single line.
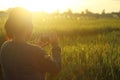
[[0, 55], [56, 55], [1, 49], [51, 64]]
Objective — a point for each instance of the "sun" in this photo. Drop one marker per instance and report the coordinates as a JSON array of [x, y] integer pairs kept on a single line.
[[46, 5], [49, 6]]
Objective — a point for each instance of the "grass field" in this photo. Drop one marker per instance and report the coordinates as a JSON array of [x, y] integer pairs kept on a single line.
[[90, 46]]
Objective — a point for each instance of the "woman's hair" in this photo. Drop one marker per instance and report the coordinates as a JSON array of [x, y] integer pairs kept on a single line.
[[19, 21]]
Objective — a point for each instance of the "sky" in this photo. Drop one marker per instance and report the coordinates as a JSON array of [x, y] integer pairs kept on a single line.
[[62, 5]]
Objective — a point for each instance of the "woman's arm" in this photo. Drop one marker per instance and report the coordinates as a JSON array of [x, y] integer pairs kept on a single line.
[[53, 63]]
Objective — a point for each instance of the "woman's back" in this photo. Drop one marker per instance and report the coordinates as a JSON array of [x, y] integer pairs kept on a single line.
[[22, 61]]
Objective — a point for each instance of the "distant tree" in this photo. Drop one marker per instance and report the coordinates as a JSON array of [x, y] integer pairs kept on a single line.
[[119, 11], [88, 12], [69, 11], [103, 12], [82, 13]]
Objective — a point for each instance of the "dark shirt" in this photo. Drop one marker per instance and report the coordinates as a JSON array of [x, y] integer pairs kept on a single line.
[[23, 61]]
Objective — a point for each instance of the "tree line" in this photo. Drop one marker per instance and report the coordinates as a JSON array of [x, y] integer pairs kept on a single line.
[[70, 13]]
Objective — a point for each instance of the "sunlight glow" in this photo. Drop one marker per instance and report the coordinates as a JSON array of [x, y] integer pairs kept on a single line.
[[48, 5], [62, 5]]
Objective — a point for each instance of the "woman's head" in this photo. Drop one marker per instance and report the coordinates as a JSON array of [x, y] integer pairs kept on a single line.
[[19, 23]]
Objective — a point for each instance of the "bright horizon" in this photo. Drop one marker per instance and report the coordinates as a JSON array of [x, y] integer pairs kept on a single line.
[[63, 5]]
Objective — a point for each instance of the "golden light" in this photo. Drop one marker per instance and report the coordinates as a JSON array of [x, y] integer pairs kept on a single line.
[[47, 5], [62, 5]]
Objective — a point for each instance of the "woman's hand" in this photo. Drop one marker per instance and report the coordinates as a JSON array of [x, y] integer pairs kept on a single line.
[[42, 44], [50, 38], [53, 39]]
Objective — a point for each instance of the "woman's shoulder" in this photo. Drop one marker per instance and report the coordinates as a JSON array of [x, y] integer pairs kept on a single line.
[[36, 48], [6, 43], [4, 46]]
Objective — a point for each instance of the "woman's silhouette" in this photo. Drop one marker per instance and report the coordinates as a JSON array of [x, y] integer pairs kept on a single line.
[[21, 60]]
